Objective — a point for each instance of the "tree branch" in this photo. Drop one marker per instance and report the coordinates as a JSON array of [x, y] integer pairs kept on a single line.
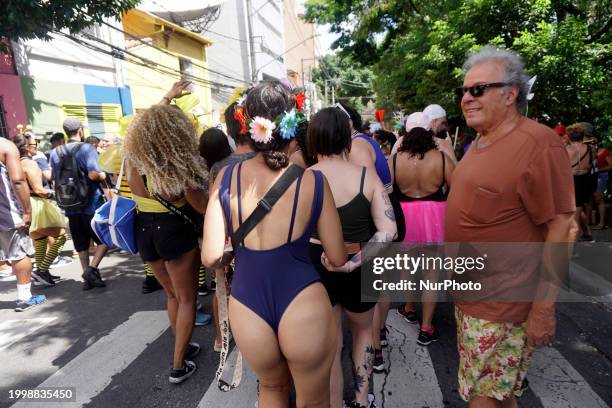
[[604, 30]]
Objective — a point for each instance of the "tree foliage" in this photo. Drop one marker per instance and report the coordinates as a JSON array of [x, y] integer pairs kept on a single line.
[[416, 49], [27, 19], [348, 78]]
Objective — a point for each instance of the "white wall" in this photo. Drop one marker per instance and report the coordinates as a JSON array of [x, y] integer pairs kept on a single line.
[[61, 59], [267, 18]]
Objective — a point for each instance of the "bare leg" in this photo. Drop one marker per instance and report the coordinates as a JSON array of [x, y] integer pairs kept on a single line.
[[363, 353], [159, 270], [98, 255], [336, 384], [184, 277], [485, 402], [23, 270], [380, 317], [259, 346], [309, 357], [429, 298]]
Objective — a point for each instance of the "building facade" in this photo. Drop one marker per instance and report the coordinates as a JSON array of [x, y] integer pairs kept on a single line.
[[159, 53], [64, 77]]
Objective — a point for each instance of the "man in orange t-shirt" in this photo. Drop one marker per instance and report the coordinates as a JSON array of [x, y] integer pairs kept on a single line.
[[513, 185]]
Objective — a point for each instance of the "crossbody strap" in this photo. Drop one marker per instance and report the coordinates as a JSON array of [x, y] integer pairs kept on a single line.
[[264, 206]]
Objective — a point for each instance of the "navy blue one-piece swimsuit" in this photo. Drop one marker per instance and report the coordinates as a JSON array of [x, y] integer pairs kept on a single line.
[[267, 280]]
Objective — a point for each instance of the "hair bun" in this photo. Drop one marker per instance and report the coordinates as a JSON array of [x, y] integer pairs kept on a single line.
[[275, 159]]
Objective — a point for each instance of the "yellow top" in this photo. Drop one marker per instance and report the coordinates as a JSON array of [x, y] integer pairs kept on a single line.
[[151, 205]]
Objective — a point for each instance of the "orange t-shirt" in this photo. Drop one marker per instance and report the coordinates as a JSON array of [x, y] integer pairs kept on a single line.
[[506, 192]]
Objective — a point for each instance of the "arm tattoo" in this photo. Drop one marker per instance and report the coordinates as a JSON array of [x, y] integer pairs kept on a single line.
[[389, 208]]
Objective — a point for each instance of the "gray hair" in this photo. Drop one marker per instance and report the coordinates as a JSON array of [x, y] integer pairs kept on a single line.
[[513, 66]]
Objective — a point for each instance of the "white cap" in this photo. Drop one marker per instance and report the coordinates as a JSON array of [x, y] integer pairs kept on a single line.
[[435, 111], [418, 119]]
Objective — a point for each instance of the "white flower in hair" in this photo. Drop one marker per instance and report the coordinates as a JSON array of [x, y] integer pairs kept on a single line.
[[261, 129]]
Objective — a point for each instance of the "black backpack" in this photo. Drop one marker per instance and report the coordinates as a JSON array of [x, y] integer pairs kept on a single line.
[[71, 185]]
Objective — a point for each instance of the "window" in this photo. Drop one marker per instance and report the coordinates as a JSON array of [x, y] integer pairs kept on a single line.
[[100, 119], [3, 127]]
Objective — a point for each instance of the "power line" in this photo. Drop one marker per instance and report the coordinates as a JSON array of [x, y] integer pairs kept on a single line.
[[151, 62], [144, 63], [169, 53]]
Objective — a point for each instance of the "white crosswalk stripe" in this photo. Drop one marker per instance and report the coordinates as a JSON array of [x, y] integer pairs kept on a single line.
[[558, 385], [92, 370], [12, 331], [245, 395], [410, 380]]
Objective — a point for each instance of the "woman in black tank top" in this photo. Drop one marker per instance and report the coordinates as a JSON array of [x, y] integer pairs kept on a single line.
[[366, 215]]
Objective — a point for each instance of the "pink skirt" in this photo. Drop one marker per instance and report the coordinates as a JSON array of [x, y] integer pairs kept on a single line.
[[424, 221]]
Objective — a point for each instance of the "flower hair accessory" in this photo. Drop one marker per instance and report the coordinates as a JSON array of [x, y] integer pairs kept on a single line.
[[261, 129], [241, 118], [289, 122]]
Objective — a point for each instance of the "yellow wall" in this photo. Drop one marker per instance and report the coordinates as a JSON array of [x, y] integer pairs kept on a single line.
[[148, 85]]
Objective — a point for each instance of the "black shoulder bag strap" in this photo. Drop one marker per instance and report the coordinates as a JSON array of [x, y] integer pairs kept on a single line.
[[172, 208], [265, 204]]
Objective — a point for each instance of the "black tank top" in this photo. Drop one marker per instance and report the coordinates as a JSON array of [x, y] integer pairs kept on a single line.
[[438, 195], [356, 218]]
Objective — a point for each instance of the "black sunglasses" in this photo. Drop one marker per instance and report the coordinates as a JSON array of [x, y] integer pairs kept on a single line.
[[479, 89]]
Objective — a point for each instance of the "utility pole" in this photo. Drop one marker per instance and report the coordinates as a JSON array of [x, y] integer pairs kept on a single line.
[[249, 11], [333, 90], [326, 94]]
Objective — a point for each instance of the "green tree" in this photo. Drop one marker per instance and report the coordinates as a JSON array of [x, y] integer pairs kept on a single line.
[[27, 19], [416, 48], [350, 80]]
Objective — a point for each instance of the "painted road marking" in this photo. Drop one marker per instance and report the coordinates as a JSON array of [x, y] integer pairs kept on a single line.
[[558, 385], [245, 395], [410, 380], [11, 331], [92, 370]]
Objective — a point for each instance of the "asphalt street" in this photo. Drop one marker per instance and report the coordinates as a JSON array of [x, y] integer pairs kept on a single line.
[[114, 345]]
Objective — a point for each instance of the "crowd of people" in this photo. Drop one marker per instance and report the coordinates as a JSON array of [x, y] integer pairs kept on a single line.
[[279, 210]]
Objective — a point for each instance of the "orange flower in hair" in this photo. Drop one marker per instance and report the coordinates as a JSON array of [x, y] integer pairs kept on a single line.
[[239, 116], [299, 100]]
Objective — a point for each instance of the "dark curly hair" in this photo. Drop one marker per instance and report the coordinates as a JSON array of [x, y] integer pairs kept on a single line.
[[268, 100], [417, 142]]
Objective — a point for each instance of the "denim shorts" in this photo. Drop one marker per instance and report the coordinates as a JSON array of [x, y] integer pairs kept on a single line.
[[602, 181]]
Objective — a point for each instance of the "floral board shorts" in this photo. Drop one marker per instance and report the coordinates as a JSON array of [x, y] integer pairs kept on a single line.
[[493, 357]]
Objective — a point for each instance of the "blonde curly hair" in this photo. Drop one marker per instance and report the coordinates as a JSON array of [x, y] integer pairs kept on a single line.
[[161, 144]]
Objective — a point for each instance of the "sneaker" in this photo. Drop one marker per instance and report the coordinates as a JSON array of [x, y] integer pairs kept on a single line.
[[199, 306], [183, 373], [92, 278], [23, 305], [193, 349], [150, 285], [202, 319], [203, 289], [425, 338], [525, 384], [586, 238], [43, 277], [378, 366], [61, 261], [410, 316], [55, 277], [383, 337], [213, 285]]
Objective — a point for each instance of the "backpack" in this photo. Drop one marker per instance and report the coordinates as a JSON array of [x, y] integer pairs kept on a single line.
[[71, 185]]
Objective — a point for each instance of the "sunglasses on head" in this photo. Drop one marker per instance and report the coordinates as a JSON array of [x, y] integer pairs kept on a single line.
[[338, 106], [479, 89]]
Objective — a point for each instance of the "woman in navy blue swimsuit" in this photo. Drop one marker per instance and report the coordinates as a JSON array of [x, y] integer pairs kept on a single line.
[[279, 311]]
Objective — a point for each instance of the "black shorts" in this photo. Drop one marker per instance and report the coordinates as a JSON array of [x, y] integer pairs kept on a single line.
[[81, 232], [163, 236], [584, 187], [343, 288]]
